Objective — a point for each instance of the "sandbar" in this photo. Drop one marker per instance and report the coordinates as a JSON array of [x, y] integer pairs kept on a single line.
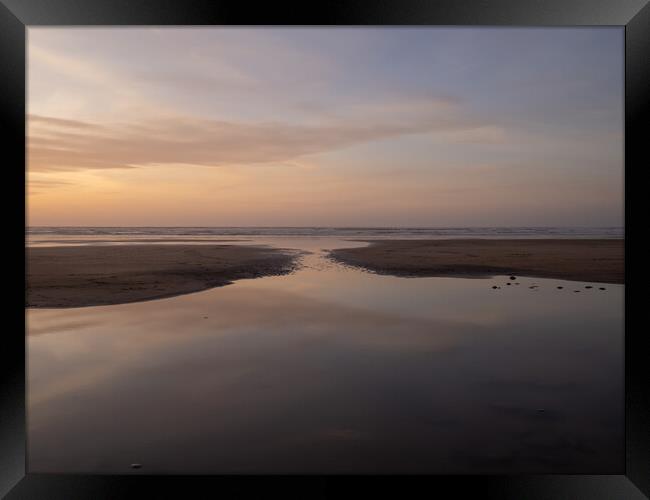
[[78, 276], [594, 260]]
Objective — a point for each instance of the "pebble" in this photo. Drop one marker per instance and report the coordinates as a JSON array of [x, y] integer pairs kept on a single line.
[[513, 277], [589, 286], [136, 466], [602, 288], [508, 284], [495, 287], [560, 287], [576, 291]]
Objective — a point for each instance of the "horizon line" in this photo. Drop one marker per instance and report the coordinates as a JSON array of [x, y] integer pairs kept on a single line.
[[329, 227]]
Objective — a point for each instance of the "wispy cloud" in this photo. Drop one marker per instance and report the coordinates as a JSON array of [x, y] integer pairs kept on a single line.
[[56, 144], [37, 186]]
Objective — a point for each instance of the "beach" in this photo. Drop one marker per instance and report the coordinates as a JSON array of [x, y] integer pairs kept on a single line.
[[597, 260], [326, 369], [78, 276]]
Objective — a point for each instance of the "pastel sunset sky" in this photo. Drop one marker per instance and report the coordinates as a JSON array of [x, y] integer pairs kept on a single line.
[[428, 127]]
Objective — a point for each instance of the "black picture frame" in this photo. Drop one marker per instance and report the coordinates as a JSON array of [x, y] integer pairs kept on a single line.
[[17, 15]]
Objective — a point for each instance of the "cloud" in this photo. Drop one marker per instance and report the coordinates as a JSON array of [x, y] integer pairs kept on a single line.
[[48, 183], [38, 186], [60, 122], [57, 144]]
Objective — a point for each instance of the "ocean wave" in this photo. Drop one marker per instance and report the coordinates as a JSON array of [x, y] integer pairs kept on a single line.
[[397, 232]]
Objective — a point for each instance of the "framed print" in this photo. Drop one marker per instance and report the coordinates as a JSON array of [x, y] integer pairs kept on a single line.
[[323, 251]]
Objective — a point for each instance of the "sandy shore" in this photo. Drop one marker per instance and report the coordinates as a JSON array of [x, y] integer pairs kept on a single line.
[[578, 260], [100, 275]]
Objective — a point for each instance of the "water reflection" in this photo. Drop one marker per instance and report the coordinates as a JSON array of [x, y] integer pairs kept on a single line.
[[332, 370]]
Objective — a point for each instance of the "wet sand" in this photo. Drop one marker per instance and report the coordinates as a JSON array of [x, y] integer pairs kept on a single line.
[[577, 260], [101, 275]]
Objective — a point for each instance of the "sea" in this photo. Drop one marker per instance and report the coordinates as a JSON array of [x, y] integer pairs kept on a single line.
[[76, 235]]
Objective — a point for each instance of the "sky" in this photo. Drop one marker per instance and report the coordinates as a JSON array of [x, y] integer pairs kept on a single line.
[[419, 127]]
